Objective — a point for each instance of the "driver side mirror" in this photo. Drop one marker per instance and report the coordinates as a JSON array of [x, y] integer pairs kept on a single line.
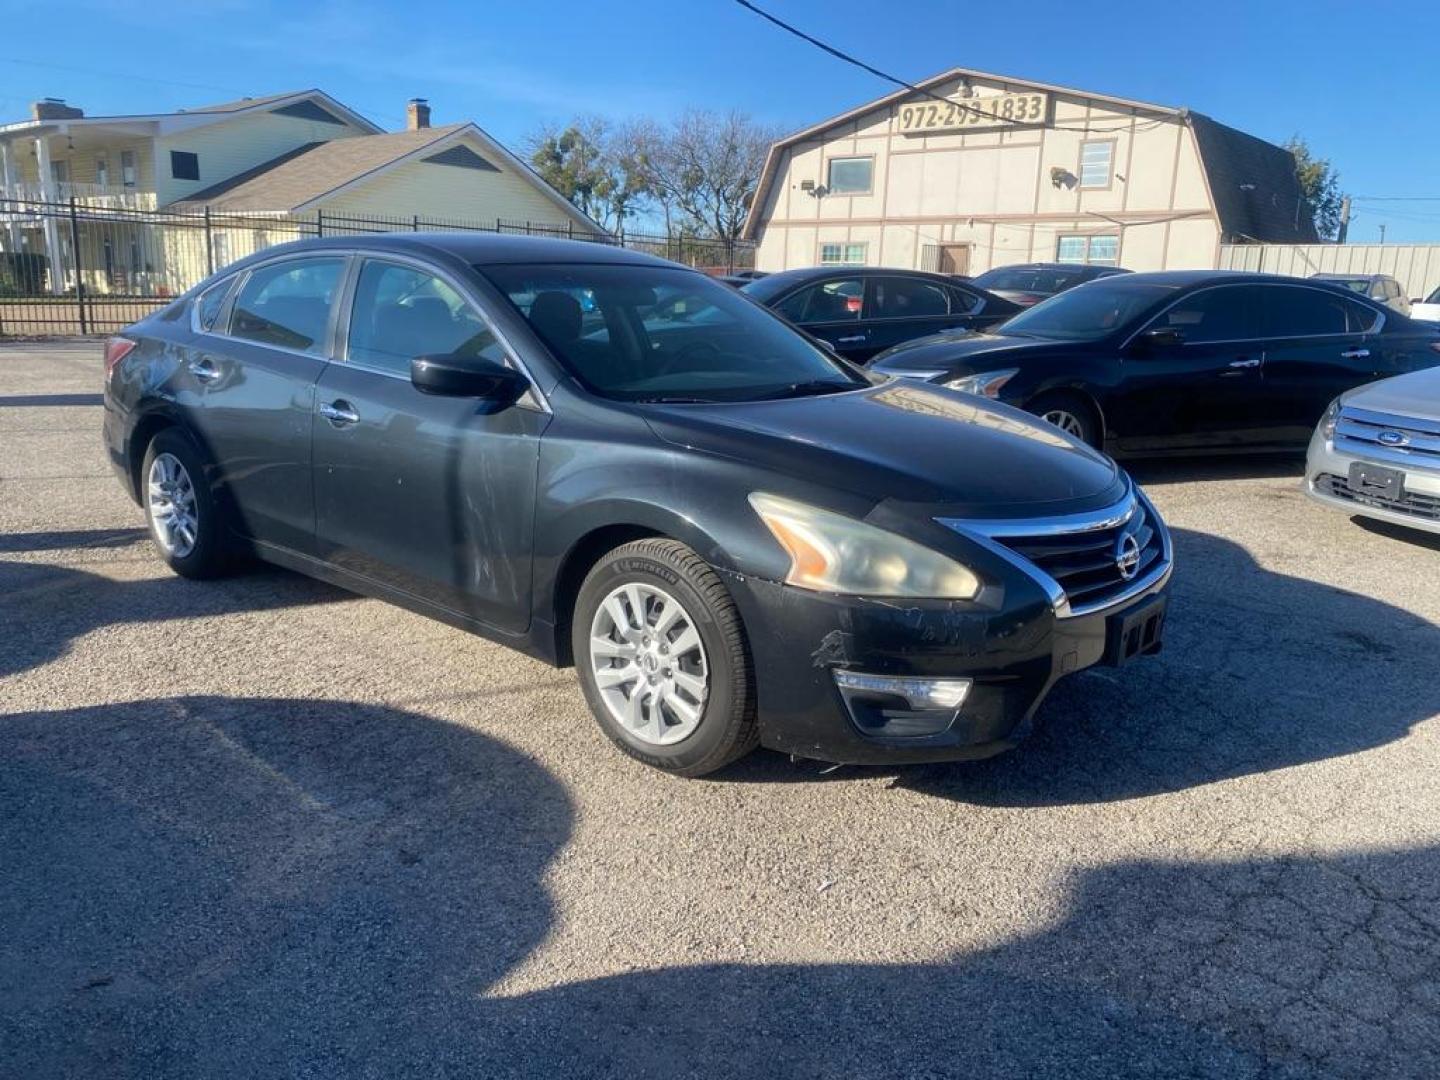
[[463, 376], [1161, 337]]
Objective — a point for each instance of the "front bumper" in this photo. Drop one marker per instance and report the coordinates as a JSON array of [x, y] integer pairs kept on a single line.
[[1013, 657], [1419, 508]]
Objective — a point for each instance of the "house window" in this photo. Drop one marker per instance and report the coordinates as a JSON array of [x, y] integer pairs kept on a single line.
[[1094, 250], [842, 254], [184, 165], [1096, 161], [127, 168], [849, 176], [102, 170], [60, 171]]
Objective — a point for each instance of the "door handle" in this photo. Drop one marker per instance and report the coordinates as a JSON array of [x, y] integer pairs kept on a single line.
[[851, 340], [1248, 362], [1354, 354], [204, 369], [339, 412]]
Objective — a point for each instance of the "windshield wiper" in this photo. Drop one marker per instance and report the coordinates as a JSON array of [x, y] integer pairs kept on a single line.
[[665, 399], [811, 388]]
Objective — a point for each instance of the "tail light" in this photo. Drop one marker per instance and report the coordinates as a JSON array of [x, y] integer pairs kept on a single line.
[[116, 349], [1435, 346]]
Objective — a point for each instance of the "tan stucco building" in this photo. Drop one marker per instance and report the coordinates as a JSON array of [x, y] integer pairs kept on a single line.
[[980, 170]]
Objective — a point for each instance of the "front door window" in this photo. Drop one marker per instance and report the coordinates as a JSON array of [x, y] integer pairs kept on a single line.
[[401, 312]]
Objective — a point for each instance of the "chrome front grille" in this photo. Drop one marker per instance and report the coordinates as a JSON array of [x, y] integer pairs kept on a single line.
[[1387, 437], [1411, 503], [1087, 562]]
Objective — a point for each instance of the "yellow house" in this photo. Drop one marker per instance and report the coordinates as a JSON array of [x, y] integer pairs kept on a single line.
[[263, 169]]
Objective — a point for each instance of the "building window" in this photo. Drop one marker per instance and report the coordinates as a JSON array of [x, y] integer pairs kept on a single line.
[[60, 172], [1096, 161], [1093, 250], [184, 165], [127, 167], [102, 170], [849, 176], [842, 254]]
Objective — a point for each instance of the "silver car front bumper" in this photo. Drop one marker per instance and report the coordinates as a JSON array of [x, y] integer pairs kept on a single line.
[[1327, 472]]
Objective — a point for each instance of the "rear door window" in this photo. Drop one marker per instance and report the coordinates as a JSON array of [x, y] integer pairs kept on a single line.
[[209, 303], [288, 304], [402, 312], [842, 300], [908, 298], [1296, 311]]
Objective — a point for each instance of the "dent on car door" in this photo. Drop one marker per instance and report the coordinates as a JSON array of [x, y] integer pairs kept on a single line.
[[1318, 346], [833, 310], [254, 380], [428, 494], [1198, 390]]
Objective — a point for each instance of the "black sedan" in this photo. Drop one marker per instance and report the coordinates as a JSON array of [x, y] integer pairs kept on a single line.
[[1027, 284], [605, 459], [860, 310], [1183, 361]]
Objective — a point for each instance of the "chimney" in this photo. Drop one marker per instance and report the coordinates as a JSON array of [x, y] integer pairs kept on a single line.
[[417, 114], [54, 108]]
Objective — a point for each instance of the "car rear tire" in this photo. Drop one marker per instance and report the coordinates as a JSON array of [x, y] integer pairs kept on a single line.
[[1072, 414], [663, 660], [181, 510]]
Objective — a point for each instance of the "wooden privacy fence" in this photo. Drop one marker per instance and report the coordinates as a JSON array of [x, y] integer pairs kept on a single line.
[[1415, 266]]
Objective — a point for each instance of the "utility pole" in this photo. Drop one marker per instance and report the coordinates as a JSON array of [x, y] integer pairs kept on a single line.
[[1382, 234], [1344, 220]]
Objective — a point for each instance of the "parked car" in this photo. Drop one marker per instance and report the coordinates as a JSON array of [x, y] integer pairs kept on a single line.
[[1029, 283], [1427, 310], [861, 310], [1382, 288], [734, 535], [1376, 452], [1181, 361]]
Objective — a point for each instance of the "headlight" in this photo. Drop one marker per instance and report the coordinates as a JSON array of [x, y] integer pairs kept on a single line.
[[986, 384], [1327, 422], [833, 553]]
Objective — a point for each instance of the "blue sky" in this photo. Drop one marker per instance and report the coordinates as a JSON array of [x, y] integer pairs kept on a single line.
[[1361, 82]]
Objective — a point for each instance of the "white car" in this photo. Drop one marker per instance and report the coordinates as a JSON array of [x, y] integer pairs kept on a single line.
[[1376, 452], [1427, 310]]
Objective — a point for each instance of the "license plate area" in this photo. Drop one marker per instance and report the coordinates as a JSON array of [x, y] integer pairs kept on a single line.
[[1376, 481], [1135, 633]]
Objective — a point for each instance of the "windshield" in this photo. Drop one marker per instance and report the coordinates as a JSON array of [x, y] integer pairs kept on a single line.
[[653, 333], [1036, 280], [1434, 297], [1087, 312]]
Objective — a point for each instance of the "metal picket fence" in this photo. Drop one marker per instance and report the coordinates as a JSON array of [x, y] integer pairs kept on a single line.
[[81, 268]]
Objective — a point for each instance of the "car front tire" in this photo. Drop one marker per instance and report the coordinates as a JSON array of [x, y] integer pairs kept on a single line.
[[662, 658], [1072, 414]]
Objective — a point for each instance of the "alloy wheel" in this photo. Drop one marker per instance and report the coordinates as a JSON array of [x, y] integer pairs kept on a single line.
[[1066, 421], [649, 663], [170, 497]]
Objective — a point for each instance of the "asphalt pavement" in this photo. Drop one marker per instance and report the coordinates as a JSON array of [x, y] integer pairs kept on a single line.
[[264, 828]]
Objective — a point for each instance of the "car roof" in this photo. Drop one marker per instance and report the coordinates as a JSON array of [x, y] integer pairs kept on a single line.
[[782, 280], [477, 248], [1076, 267], [1350, 277]]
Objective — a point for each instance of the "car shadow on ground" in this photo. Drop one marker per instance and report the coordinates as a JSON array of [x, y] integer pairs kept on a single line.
[[47, 607], [16, 543], [1260, 671], [238, 888], [50, 400], [1185, 470]]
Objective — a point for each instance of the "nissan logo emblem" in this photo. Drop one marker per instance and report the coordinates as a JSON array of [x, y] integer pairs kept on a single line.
[[1127, 556], [1393, 438]]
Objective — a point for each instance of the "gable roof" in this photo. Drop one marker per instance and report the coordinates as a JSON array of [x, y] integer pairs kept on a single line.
[[308, 172], [1253, 186], [297, 179], [182, 119]]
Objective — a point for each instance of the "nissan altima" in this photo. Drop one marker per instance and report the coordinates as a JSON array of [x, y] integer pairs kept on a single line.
[[608, 460]]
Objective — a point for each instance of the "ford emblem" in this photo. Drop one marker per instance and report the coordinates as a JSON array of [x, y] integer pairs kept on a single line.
[[1393, 438]]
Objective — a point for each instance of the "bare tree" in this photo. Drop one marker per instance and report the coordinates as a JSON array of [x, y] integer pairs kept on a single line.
[[589, 162], [701, 170]]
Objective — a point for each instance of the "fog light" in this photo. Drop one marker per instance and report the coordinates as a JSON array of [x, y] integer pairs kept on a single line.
[[918, 693]]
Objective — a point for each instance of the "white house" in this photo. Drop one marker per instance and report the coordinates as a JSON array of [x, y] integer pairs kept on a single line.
[[282, 159]]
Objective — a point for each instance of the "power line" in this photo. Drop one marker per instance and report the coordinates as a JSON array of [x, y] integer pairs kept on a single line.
[[855, 61], [1395, 198]]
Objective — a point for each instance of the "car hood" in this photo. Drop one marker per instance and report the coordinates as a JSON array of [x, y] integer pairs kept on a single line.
[[955, 353], [1416, 394], [906, 442]]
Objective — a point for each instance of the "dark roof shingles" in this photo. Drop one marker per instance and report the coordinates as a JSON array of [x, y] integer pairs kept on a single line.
[[1253, 183]]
